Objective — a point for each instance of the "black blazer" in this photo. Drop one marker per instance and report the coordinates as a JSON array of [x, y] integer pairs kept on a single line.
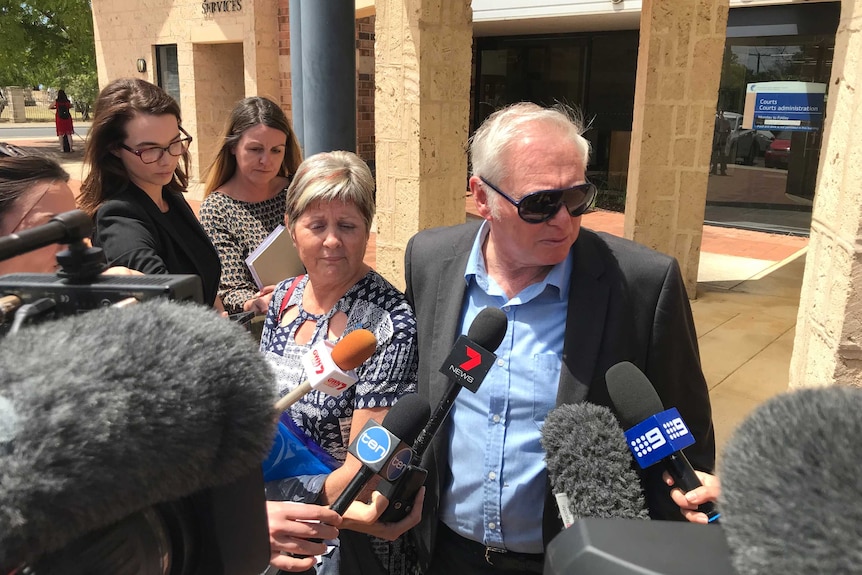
[[134, 233], [626, 303]]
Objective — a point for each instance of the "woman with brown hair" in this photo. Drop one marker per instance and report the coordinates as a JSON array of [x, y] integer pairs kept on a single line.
[[244, 197], [138, 157]]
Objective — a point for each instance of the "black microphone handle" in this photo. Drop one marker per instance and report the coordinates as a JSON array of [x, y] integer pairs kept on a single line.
[[423, 440], [352, 490], [684, 477]]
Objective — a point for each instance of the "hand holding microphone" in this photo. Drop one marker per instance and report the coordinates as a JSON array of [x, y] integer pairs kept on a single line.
[[655, 435], [689, 501], [330, 366], [384, 449]]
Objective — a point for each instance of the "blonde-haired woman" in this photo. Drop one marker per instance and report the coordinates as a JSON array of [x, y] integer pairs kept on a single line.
[[330, 206]]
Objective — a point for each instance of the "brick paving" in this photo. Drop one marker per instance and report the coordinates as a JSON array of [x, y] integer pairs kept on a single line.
[[717, 240]]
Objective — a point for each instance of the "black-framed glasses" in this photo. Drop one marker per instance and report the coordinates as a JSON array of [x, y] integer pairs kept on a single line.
[[541, 206], [155, 153]]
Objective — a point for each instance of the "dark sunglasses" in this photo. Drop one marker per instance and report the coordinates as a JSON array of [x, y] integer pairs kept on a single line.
[[538, 207]]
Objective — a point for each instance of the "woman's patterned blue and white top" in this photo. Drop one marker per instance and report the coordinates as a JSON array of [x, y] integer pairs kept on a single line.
[[372, 304]]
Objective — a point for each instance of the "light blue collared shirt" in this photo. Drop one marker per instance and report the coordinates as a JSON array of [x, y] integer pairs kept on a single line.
[[497, 489]]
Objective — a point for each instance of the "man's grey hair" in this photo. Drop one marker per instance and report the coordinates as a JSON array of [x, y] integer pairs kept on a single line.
[[490, 144]]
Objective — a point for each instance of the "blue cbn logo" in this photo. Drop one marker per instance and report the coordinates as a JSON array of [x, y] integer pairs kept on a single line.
[[373, 445]]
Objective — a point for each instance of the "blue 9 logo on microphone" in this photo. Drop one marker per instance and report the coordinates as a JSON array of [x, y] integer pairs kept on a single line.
[[373, 445], [658, 436], [646, 443]]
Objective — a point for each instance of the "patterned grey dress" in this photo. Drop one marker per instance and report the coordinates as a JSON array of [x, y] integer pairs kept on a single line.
[[236, 228], [372, 304]]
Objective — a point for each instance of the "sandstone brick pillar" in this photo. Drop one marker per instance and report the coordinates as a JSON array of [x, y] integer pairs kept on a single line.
[[422, 89], [679, 70], [17, 110], [828, 345], [261, 50]]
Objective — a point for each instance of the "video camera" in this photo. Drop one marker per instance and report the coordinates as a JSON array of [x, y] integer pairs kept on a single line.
[[78, 286], [216, 531]]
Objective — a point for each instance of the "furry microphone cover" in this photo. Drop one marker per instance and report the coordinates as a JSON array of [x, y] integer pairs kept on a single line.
[[792, 485], [588, 460], [109, 412]]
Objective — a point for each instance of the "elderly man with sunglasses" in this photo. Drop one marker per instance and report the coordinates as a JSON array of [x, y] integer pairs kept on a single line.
[[577, 301]]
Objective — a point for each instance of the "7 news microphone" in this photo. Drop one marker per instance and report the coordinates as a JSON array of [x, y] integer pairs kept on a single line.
[[466, 366], [116, 412], [655, 435]]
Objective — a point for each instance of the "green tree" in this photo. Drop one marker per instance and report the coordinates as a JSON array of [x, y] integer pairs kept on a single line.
[[48, 42]]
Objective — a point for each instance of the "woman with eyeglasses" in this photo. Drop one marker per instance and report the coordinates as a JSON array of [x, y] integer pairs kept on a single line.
[[137, 154]]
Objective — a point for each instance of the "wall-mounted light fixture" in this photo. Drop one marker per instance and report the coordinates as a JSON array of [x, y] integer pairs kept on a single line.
[[142, 65]]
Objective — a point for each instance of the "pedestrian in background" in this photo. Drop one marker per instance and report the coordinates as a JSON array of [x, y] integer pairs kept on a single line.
[[63, 120], [719, 144]]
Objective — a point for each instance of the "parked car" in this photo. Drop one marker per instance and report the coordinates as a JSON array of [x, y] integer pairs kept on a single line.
[[745, 145], [778, 153]]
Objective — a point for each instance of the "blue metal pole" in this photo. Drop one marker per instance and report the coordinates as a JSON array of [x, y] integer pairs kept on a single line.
[[328, 75]]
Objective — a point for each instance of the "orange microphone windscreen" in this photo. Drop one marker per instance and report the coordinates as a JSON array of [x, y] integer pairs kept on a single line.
[[353, 349]]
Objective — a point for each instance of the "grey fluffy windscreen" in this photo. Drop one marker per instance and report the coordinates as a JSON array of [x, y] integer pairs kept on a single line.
[[117, 409], [792, 485], [588, 460]]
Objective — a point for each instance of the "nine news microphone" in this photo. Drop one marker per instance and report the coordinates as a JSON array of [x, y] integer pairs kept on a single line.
[[791, 494], [654, 435], [329, 366], [466, 366], [589, 464], [110, 412], [384, 449]]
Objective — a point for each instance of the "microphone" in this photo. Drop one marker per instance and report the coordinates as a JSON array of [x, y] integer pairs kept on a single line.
[[466, 366], [791, 494], [654, 435], [65, 228], [384, 449], [330, 366], [589, 464], [109, 412]]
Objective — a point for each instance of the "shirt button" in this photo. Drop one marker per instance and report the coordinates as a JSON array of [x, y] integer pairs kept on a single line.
[[496, 418], [492, 525], [500, 362], [506, 308], [492, 476]]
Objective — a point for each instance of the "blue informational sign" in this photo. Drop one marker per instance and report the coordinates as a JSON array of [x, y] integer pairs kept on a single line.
[[794, 106], [658, 436]]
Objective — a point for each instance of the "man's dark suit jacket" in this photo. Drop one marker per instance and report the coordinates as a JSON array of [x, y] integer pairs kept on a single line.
[[626, 303], [134, 233]]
